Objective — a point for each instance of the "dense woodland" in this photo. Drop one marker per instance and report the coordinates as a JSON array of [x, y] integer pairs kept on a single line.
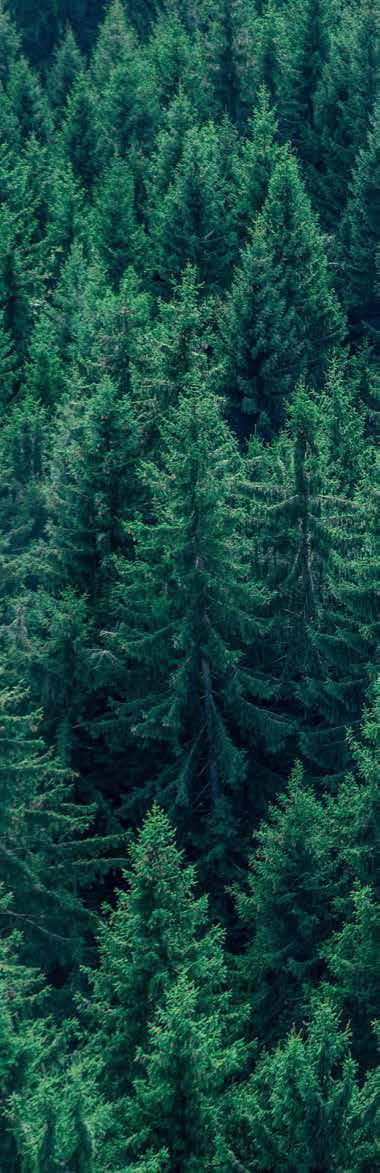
[[189, 730]]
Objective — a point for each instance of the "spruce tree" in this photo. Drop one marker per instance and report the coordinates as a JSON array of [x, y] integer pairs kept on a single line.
[[314, 546], [67, 63], [189, 625], [27, 1049], [29, 102], [286, 911], [119, 237], [282, 318], [79, 130], [344, 104], [160, 990], [41, 831], [255, 164], [300, 1110], [193, 222], [360, 237]]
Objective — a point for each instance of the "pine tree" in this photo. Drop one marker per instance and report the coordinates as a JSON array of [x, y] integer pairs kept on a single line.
[[300, 1110], [189, 622], [119, 237], [160, 989], [282, 319], [344, 105], [27, 1044], [286, 911], [193, 221], [66, 65], [255, 164], [79, 130], [360, 237]]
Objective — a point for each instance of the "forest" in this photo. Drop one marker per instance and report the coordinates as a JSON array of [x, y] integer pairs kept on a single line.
[[189, 590]]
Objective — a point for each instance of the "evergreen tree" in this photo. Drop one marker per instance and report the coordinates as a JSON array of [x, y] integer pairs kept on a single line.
[[286, 912], [300, 1109], [344, 103], [127, 103], [66, 65], [161, 1021], [177, 60], [309, 29], [27, 1045], [7, 366], [193, 222], [255, 164], [9, 43], [189, 625], [118, 235], [29, 102], [282, 319], [80, 130], [41, 830], [360, 237], [310, 547]]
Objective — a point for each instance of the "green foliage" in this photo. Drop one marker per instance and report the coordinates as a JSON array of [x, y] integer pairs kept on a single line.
[[189, 586], [193, 219], [360, 235], [301, 1108], [282, 318], [162, 1028]]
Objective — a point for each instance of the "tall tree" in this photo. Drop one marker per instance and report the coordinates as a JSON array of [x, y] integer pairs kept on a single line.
[[193, 222], [360, 238], [189, 621], [282, 318], [161, 989], [344, 103], [301, 1108]]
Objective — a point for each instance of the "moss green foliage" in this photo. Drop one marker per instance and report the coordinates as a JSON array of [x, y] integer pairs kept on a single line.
[[189, 586]]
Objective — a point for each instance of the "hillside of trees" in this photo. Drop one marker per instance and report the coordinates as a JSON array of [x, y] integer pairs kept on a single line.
[[189, 590]]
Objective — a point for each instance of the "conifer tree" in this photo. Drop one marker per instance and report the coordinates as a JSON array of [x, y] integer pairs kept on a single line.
[[193, 222], [315, 558], [309, 29], [360, 237], [119, 237], [7, 366], [9, 42], [177, 60], [344, 104], [286, 912], [255, 164], [127, 109], [79, 130], [29, 101], [66, 65], [301, 1109], [41, 829], [189, 623], [282, 319], [160, 989], [165, 352], [26, 1047]]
